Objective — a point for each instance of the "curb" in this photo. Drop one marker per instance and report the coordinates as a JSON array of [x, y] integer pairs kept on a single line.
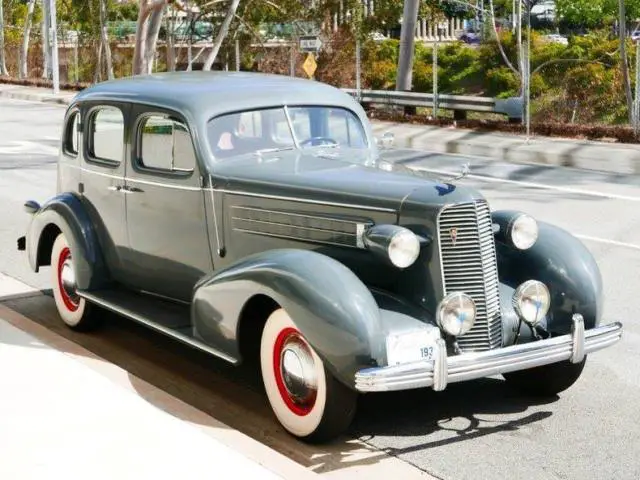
[[35, 97], [597, 157]]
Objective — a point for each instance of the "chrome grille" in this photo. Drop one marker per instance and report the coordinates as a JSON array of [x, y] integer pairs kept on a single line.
[[469, 265]]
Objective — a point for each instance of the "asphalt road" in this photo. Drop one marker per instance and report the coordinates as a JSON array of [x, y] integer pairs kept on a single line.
[[476, 430]]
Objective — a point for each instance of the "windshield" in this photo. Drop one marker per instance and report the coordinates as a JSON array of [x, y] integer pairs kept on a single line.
[[281, 128]]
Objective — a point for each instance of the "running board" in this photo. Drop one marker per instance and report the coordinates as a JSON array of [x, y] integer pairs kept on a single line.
[[169, 318]]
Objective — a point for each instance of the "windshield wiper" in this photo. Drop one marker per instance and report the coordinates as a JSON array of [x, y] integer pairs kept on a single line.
[[271, 150]]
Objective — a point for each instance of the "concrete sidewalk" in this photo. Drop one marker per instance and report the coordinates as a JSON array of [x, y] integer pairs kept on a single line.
[[65, 413], [614, 158]]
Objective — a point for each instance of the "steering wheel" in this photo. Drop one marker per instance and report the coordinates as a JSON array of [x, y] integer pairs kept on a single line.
[[313, 140]]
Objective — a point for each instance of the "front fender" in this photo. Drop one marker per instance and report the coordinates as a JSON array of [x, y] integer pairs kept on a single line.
[[566, 266], [334, 310], [66, 212]]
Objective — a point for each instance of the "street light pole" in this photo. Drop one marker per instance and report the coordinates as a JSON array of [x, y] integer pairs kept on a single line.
[[54, 47]]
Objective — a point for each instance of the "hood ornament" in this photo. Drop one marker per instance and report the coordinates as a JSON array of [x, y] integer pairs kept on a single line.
[[465, 171]]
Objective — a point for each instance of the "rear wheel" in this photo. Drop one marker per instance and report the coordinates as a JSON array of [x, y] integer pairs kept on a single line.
[[305, 397], [74, 310], [547, 380]]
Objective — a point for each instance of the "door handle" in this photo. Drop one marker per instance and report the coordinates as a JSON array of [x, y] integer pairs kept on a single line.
[[114, 188], [132, 190]]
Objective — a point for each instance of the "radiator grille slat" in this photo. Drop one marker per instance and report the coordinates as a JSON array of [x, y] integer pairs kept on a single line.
[[469, 265]]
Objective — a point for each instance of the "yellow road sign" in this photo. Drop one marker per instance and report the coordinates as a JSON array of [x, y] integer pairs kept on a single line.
[[309, 66]]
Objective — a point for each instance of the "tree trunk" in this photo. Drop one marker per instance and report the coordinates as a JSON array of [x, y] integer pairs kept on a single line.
[[104, 38], [147, 34], [141, 39], [222, 33], [24, 53], [622, 32], [171, 54], [155, 22], [407, 39], [3, 65], [97, 75]]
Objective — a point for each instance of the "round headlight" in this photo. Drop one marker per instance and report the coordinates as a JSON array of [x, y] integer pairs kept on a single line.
[[456, 313], [531, 301], [524, 232], [404, 248]]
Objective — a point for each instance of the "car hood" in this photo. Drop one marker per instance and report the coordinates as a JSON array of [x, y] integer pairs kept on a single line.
[[340, 175]]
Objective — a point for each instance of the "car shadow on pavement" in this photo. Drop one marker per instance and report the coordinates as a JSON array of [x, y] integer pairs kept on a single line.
[[214, 394], [462, 412]]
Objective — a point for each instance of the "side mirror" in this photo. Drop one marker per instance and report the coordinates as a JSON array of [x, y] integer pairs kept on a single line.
[[386, 141]]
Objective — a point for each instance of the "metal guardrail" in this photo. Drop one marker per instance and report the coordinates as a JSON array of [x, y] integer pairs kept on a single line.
[[511, 107]]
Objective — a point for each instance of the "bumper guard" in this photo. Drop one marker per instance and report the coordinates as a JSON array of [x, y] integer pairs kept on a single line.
[[443, 370]]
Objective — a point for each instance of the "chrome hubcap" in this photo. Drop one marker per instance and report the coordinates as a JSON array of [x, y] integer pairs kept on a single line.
[[68, 280], [298, 371]]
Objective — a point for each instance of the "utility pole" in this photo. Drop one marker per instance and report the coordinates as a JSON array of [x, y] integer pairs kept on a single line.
[[54, 47], [46, 40], [407, 39]]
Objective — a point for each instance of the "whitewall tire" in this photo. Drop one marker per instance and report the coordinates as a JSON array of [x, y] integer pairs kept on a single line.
[[305, 397], [74, 311]]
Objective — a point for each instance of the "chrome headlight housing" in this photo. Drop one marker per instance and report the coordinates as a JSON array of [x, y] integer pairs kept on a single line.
[[456, 313], [531, 301], [523, 232], [398, 245]]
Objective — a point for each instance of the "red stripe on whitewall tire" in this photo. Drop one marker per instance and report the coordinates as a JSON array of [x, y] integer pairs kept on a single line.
[[300, 420], [65, 254], [73, 313], [281, 340]]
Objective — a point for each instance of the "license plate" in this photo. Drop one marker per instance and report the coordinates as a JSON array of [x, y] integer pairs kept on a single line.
[[418, 346]]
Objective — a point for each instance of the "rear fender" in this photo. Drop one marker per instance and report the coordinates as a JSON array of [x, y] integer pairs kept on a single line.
[[333, 309], [66, 213]]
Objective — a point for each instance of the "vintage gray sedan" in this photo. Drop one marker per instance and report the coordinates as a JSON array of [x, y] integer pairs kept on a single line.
[[256, 217]]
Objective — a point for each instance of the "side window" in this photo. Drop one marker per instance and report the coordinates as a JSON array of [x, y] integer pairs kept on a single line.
[[165, 144], [107, 135], [71, 134]]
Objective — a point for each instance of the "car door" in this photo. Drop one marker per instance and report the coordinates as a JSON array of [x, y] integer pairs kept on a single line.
[[102, 175], [168, 239]]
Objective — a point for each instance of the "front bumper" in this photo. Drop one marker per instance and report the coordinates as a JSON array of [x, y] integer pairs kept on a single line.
[[444, 370]]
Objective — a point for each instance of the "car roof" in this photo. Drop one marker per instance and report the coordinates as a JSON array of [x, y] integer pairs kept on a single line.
[[200, 94]]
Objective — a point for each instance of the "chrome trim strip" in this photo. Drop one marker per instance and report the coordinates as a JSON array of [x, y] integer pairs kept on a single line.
[[290, 237], [158, 184], [219, 246], [156, 326], [305, 200], [135, 180], [289, 225], [284, 212], [475, 365]]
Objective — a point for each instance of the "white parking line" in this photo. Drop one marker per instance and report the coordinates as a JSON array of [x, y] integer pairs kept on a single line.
[[579, 191], [608, 242]]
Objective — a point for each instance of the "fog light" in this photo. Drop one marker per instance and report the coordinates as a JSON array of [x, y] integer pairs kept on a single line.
[[456, 313], [531, 301]]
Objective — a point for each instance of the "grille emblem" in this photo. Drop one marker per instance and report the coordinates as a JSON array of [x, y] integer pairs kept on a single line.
[[453, 233]]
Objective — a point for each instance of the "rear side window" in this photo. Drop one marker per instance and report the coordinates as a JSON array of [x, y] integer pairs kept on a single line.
[[71, 134], [165, 144], [106, 141]]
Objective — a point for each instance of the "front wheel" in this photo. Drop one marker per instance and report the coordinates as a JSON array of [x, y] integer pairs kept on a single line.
[[547, 380], [74, 310], [305, 397]]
